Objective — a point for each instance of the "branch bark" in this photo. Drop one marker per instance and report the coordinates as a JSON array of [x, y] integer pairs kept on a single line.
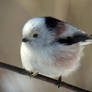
[[41, 77]]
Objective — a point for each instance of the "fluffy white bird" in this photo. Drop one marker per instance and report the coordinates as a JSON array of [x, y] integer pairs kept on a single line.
[[52, 47]]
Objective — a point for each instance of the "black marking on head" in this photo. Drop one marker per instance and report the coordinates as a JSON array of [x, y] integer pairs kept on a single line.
[[75, 39], [51, 22]]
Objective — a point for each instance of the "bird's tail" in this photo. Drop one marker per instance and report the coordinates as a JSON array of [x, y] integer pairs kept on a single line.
[[88, 40]]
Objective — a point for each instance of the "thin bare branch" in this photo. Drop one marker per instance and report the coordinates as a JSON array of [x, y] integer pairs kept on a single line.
[[41, 77]]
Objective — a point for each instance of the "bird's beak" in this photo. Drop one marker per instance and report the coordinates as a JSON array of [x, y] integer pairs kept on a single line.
[[25, 40]]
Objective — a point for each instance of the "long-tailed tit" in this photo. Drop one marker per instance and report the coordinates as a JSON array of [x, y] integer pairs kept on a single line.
[[52, 47]]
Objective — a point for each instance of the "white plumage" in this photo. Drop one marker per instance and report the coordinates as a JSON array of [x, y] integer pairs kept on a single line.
[[41, 50]]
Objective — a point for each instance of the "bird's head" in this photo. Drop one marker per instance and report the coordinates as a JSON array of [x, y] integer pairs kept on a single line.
[[41, 31]]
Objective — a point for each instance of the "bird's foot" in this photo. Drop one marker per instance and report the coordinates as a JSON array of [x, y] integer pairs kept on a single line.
[[35, 74], [59, 82]]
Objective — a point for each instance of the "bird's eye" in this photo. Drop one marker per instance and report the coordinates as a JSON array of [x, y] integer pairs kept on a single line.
[[35, 35]]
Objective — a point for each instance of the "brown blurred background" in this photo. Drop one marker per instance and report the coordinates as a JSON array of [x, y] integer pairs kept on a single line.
[[13, 15]]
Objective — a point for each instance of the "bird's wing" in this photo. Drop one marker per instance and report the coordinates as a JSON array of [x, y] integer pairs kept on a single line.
[[83, 38]]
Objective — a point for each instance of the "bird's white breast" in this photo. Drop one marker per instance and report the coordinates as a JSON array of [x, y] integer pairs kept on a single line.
[[45, 60]]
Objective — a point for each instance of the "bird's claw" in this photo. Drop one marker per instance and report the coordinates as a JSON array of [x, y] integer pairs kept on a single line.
[[59, 82], [35, 74]]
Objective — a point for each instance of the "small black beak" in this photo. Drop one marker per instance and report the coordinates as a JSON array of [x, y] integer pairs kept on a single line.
[[25, 40]]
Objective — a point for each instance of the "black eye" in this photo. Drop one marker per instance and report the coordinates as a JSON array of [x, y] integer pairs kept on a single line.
[[35, 35]]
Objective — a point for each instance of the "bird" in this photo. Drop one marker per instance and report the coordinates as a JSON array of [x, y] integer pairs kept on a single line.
[[52, 47]]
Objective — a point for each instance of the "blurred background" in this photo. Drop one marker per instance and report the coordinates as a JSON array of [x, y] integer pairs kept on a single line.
[[13, 15]]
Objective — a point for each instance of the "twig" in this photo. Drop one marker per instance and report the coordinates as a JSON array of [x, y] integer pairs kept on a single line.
[[41, 77]]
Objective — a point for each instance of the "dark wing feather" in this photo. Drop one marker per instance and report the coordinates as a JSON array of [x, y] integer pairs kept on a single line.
[[74, 39]]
